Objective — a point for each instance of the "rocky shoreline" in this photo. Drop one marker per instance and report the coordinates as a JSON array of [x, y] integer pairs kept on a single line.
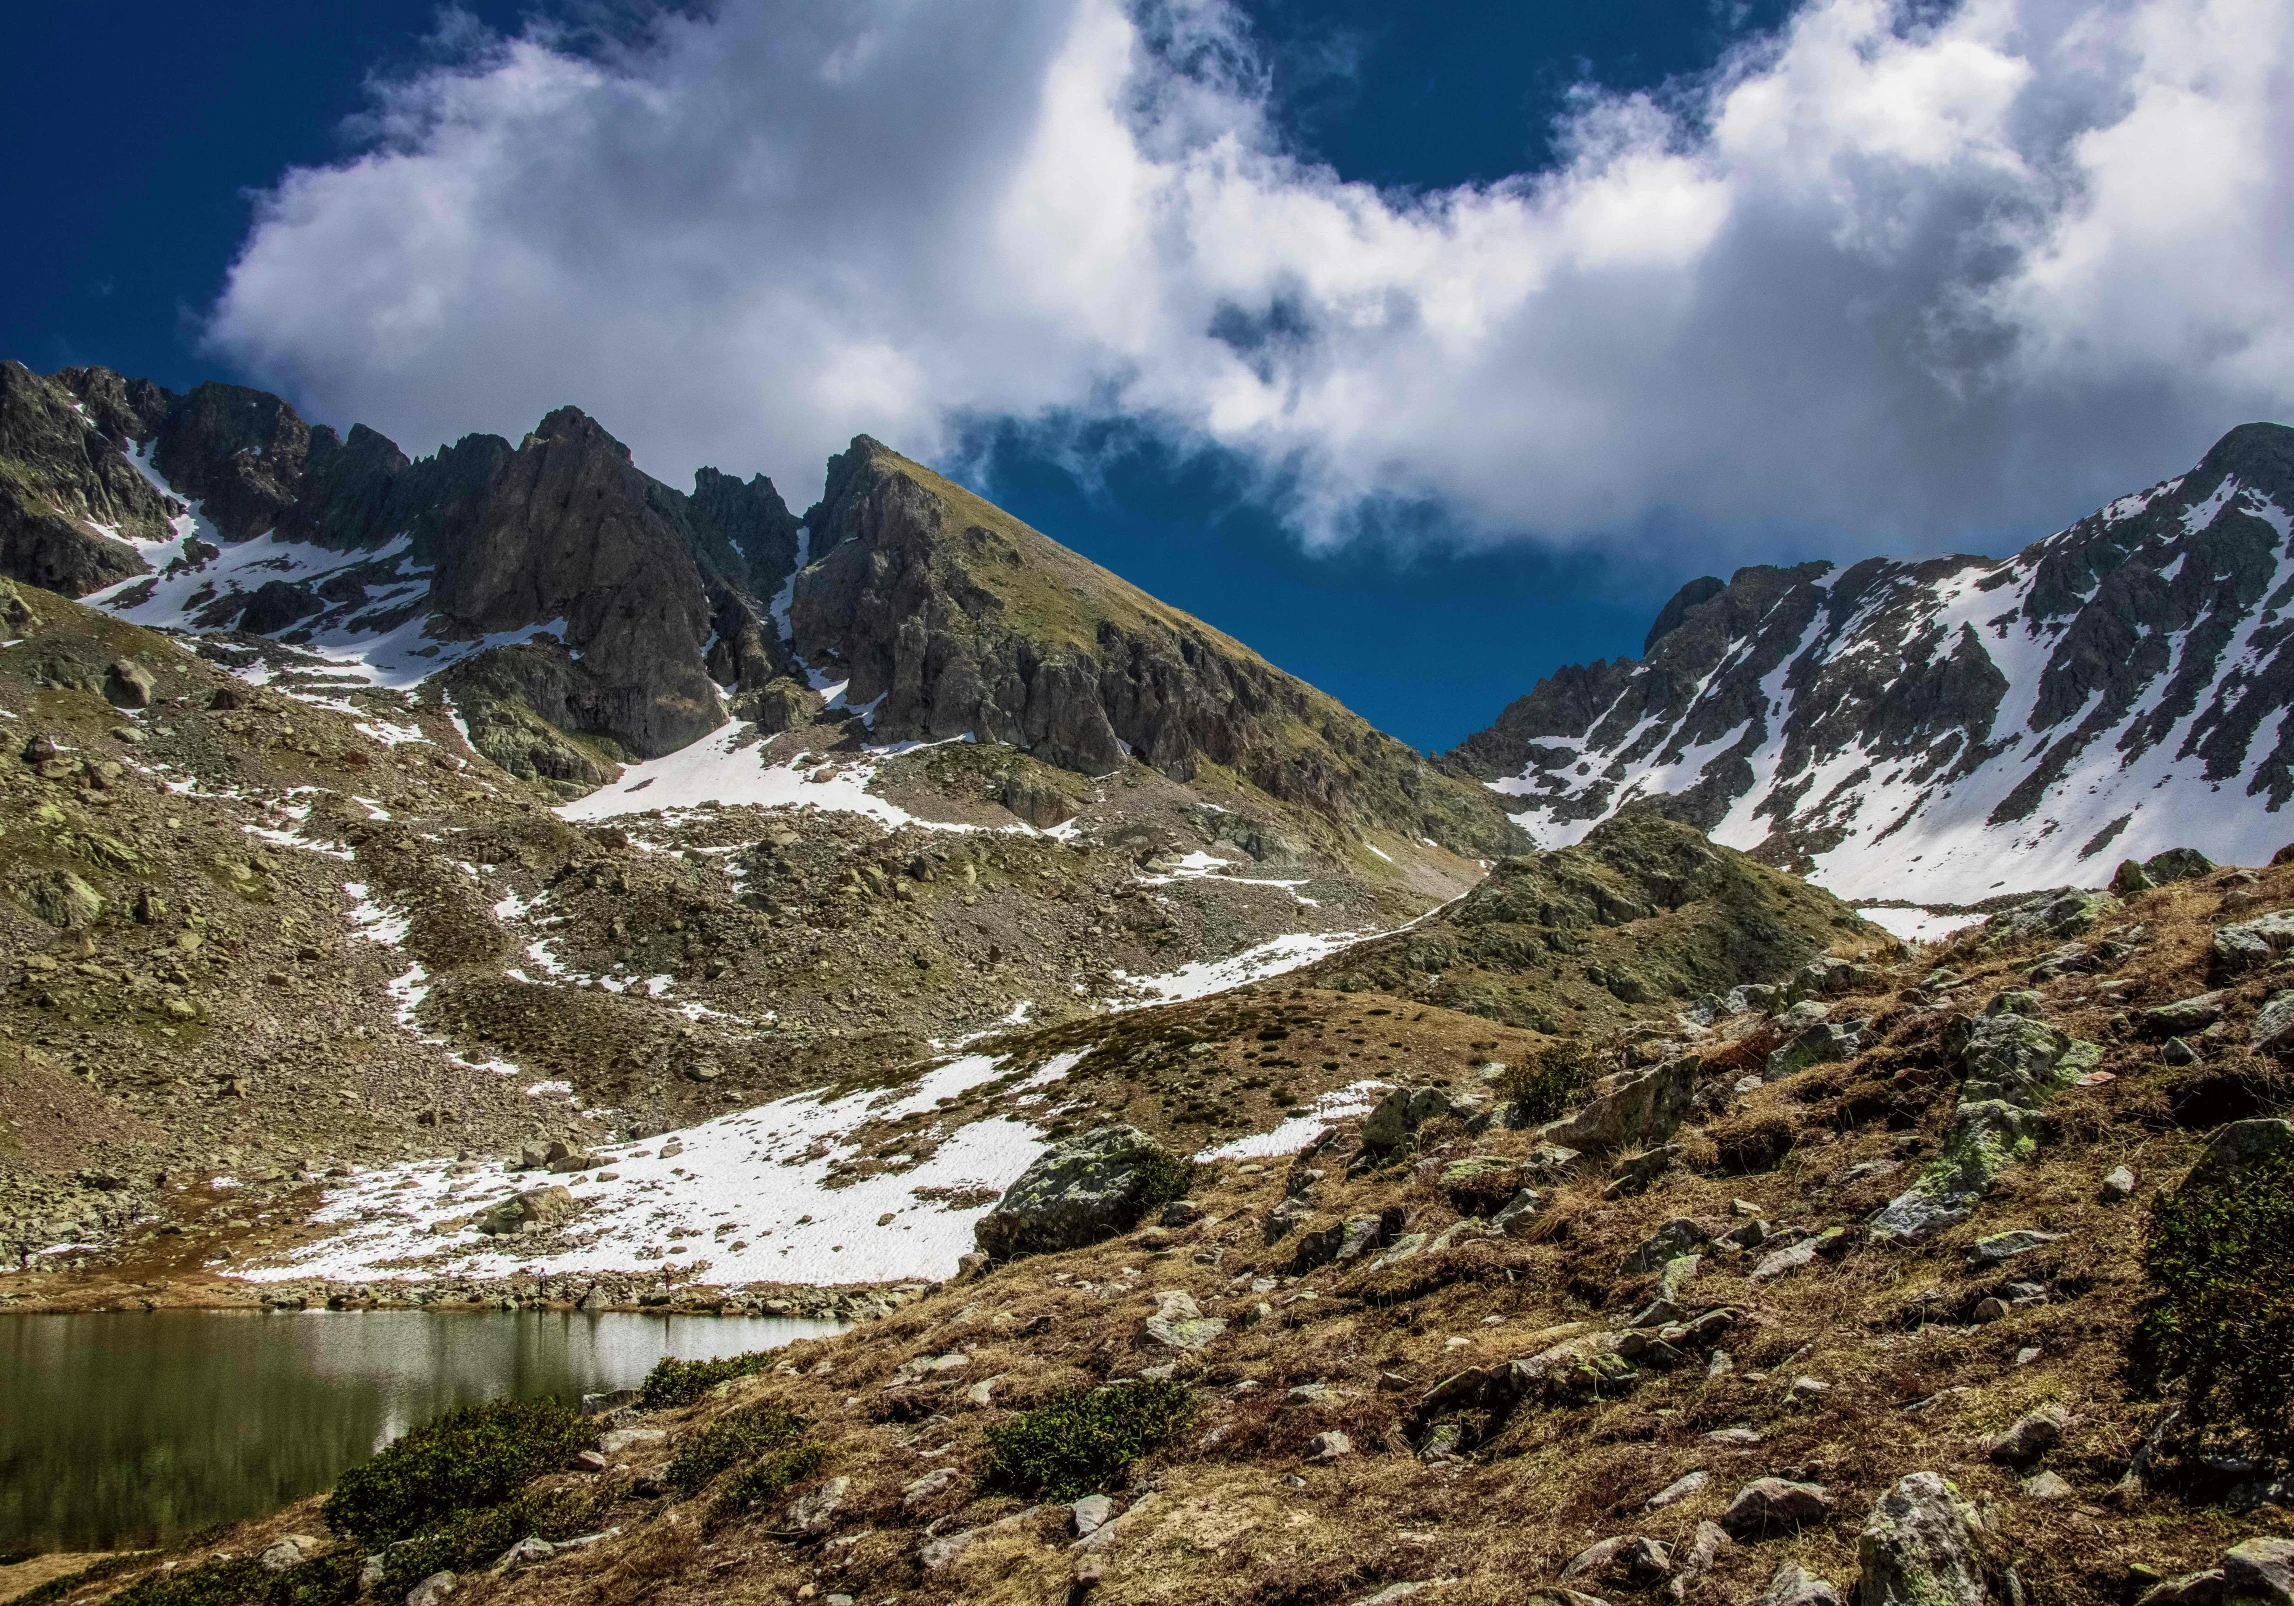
[[600, 1292]]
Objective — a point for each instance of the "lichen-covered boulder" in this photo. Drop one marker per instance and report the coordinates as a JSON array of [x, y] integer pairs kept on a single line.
[[1629, 1110], [1822, 1044], [2251, 944], [1922, 1546], [2011, 1056], [1081, 1191], [2068, 912]]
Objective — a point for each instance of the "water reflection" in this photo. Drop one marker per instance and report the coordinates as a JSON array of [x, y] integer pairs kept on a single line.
[[134, 1428]]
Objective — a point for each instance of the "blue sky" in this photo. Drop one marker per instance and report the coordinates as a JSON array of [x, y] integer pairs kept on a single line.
[[1424, 348]]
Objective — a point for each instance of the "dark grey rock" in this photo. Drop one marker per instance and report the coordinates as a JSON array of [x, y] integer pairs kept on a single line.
[[1077, 1192]]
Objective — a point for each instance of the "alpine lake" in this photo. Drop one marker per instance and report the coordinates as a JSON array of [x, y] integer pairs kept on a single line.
[[130, 1429]]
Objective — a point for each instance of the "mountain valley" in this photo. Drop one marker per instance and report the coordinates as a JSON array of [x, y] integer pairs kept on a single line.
[[1797, 1114]]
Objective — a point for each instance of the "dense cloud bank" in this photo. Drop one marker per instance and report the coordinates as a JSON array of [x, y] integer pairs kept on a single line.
[[1904, 273]]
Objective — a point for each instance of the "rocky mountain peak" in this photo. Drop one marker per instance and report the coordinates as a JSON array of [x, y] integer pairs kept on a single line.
[[1949, 730], [946, 617]]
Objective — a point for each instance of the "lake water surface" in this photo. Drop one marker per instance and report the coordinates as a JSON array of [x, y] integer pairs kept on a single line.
[[133, 1428]]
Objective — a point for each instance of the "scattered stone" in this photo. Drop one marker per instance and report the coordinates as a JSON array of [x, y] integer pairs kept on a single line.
[[1329, 1446], [1792, 1257], [1775, 1505], [1679, 1489], [2118, 1185], [2185, 1016], [2007, 1245], [1919, 1547], [291, 1550], [1090, 1514], [1825, 1044], [816, 1512], [1519, 1212], [431, 1590], [2046, 1486], [1704, 1548], [935, 1554], [2251, 944], [1676, 1237], [1794, 1587], [2273, 1028], [1179, 1323], [921, 1491], [1635, 1172], [2032, 1436], [2174, 1051], [2191, 1589], [524, 1553]]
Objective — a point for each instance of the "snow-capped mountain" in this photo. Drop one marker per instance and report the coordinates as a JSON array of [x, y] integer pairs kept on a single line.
[[1943, 732]]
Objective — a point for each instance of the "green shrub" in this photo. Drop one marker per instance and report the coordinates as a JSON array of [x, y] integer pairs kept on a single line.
[[2220, 1261], [1543, 1086], [742, 1435], [672, 1382], [473, 1539], [1083, 1439], [771, 1475], [1165, 1176], [325, 1580], [469, 1458]]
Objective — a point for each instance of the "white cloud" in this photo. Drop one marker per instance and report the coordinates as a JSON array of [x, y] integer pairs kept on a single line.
[[1898, 278]]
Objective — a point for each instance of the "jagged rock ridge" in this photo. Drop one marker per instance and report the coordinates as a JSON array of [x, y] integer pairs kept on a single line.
[[1940, 731], [578, 613], [950, 618]]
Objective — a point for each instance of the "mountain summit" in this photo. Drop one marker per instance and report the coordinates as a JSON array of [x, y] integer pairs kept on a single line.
[[1941, 731], [578, 614]]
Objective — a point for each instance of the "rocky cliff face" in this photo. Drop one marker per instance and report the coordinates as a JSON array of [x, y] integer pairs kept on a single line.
[[250, 518], [947, 617], [1941, 732]]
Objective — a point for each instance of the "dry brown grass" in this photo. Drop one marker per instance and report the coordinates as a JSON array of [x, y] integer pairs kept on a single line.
[[1239, 1514]]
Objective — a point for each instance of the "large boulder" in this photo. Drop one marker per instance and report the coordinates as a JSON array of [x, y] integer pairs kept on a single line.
[[2069, 912], [1081, 1191], [536, 1210], [2259, 1572], [1630, 1109], [1922, 1546], [2251, 944], [2273, 1029]]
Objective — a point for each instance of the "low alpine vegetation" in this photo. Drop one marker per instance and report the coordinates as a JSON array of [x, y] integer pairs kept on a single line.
[[468, 1459], [1084, 1439], [2221, 1258]]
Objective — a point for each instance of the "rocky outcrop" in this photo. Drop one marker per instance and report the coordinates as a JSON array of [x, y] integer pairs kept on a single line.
[[2081, 700], [954, 618], [1644, 914], [66, 492], [566, 534]]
